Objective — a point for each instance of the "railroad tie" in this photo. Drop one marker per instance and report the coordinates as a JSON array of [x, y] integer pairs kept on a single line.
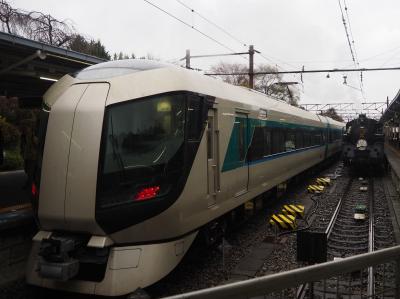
[[315, 189], [283, 221], [323, 181], [294, 210]]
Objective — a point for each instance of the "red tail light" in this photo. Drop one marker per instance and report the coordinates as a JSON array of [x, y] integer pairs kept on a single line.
[[147, 193], [34, 190]]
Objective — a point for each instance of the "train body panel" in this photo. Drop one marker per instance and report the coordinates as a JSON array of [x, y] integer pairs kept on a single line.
[[146, 158]]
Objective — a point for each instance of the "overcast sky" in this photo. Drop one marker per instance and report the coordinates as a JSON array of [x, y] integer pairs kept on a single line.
[[290, 33]]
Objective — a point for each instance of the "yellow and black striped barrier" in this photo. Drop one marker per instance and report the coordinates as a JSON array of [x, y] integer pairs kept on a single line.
[[283, 221], [315, 189], [294, 210], [323, 181]]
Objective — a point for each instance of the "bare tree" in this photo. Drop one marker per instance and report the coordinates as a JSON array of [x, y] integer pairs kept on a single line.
[[267, 83], [228, 68], [35, 25], [47, 29], [12, 20]]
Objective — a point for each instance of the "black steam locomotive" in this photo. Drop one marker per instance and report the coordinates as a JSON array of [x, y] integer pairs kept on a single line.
[[363, 143]]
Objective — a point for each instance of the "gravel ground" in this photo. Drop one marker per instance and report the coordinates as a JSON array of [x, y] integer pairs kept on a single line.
[[206, 267]]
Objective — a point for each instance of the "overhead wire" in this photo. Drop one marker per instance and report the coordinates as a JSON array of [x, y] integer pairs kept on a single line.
[[394, 55], [220, 28], [350, 41], [354, 49], [244, 44], [190, 26], [351, 34], [213, 23]]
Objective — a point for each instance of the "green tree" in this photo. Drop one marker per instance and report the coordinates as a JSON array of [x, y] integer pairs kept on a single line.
[[95, 48], [121, 56]]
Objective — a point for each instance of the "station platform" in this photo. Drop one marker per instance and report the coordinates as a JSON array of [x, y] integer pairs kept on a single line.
[[393, 190], [393, 157], [12, 189], [15, 205]]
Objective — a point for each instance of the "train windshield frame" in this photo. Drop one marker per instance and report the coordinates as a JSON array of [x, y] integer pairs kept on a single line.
[[147, 149]]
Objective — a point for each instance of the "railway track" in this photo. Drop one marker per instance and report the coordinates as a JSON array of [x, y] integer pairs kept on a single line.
[[348, 236]]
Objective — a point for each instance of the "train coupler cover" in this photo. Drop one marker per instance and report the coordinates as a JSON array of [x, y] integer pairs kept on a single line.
[[56, 260], [59, 271]]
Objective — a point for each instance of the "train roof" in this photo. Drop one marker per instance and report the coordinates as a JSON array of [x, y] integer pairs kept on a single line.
[[117, 68], [120, 72]]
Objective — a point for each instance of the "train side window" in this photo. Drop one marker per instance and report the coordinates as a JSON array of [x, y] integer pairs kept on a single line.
[[267, 142], [319, 137], [307, 138], [256, 149], [290, 140], [312, 137], [275, 140], [299, 138]]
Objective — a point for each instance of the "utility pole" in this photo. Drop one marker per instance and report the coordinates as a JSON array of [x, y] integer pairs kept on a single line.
[[251, 61], [187, 57], [251, 66]]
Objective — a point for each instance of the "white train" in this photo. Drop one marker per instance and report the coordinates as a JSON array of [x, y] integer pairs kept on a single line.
[[139, 156]]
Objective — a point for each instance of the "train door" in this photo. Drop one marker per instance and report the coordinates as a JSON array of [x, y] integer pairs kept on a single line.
[[241, 129], [213, 177]]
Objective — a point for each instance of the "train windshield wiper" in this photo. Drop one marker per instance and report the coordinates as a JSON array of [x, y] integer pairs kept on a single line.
[[116, 154]]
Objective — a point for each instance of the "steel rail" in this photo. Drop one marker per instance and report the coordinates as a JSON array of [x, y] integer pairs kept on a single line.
[[371, 241], [331, 224], [301, 291], [261, 286]]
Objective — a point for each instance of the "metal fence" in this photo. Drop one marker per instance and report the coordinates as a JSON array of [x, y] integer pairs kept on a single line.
[[345, 278]]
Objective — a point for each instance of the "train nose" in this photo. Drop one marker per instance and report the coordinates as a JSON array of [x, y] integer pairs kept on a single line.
[[69, 171]]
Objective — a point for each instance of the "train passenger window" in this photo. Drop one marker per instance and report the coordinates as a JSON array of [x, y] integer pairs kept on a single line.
[[307, 139], [267, 141], [278, 140], [290, 140], [256, 150], [299, 138], [317, 138]]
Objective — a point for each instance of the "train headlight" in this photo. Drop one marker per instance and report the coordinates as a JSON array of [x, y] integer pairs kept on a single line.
[[361, 144]]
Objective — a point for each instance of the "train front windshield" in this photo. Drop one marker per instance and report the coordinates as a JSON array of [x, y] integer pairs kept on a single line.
[[142, 148]]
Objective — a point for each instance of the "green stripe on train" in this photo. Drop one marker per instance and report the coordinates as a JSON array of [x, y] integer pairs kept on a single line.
[[233, 156]]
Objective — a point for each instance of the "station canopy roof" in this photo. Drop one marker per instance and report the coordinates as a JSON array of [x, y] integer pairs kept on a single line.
[[392, 112], [28, 68]]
